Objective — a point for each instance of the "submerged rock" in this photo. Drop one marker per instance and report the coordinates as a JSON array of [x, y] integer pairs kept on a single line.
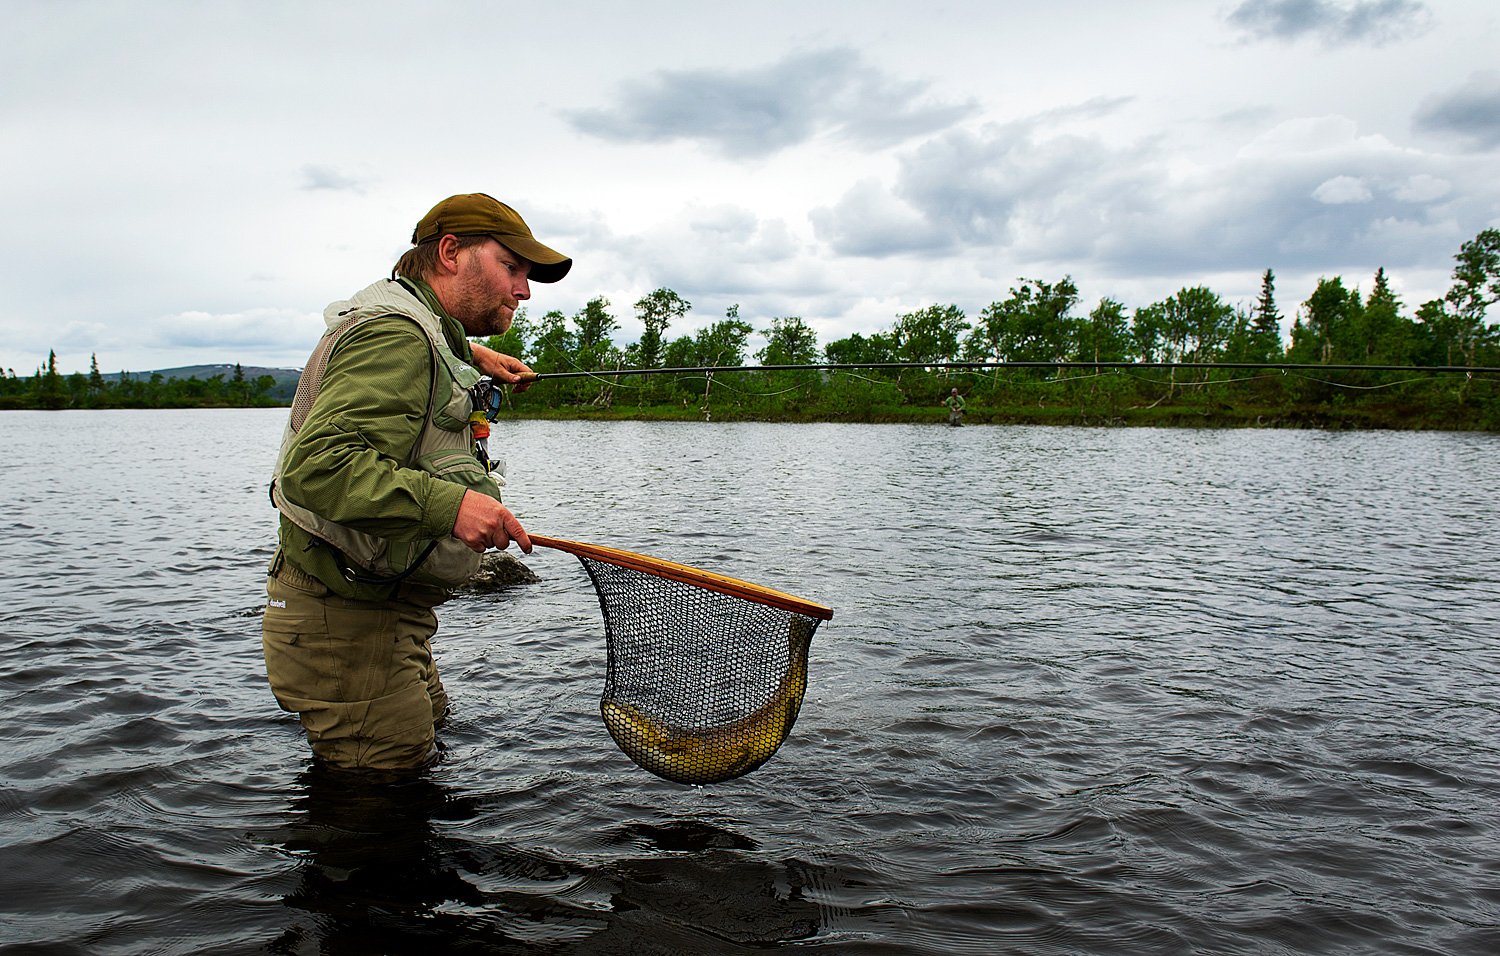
[[498, 570]]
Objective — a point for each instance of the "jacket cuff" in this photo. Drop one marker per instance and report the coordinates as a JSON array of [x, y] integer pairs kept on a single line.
[[441, 513]]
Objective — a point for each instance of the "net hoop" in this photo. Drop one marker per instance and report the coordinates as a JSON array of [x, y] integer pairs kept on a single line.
[[688, 575]]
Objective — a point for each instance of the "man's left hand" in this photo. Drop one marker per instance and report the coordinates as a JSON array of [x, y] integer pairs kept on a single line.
[[501, 367]]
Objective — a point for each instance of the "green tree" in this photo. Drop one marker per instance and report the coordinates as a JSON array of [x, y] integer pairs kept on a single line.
[[657, 310], [1326, 327], [97, 385], [856, 349], [1035, 324], [1105, 335], [1264, 343], [554, 348], [723, 343], [1389, 337], [595, 325], [789, 341], [50, 385], [929, 335], [1195, 324], [238, 390], [1146, 333], [720, 344], [1476, 287]]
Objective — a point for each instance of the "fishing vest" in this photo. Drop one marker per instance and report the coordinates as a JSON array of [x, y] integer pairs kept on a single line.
[[444, 446]]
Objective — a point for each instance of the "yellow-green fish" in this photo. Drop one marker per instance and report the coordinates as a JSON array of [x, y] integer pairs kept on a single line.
[[715, 754]]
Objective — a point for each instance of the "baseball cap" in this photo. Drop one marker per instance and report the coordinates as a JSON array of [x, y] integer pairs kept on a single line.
[[478, 214]]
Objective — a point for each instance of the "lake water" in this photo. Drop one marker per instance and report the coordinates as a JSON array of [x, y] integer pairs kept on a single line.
[[1085, 691]]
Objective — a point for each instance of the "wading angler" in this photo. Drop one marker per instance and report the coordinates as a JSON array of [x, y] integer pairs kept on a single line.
[[387, 495]]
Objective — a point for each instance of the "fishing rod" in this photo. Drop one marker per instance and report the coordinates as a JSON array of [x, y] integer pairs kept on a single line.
[[981, 366]]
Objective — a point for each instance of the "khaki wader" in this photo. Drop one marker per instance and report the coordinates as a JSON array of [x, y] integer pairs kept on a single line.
[[359, 674]]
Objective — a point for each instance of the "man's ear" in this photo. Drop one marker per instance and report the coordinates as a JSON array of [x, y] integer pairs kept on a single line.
[[447, 255]]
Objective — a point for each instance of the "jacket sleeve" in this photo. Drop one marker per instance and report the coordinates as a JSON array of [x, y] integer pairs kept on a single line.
[[347, 464]]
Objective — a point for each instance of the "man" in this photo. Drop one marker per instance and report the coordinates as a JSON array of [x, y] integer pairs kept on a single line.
[[385, 501], [956, 406]]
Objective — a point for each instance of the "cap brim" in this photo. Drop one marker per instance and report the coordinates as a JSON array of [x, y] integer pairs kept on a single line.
[[547, 265]]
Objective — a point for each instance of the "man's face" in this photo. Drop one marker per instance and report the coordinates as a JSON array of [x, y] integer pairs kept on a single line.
[[490, 284]]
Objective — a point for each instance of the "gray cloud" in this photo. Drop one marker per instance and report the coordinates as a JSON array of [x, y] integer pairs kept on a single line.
[[1471, 112], [1001, 187], [752, 113], [870, 221], [328, 177], [1308, 193], [1369, 22]]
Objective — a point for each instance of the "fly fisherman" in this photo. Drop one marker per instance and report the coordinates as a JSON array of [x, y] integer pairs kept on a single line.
[[956, 406], [385, 500]]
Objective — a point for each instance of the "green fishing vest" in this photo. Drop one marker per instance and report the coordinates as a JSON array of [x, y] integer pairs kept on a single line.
[[444, 447]]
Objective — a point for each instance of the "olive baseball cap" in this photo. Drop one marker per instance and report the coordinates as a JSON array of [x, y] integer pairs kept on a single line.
[[476, 214]]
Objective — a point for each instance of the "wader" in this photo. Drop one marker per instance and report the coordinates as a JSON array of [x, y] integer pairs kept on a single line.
[[360, 674]]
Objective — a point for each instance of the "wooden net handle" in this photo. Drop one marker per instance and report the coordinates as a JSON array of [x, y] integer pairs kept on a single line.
[[681, 572]]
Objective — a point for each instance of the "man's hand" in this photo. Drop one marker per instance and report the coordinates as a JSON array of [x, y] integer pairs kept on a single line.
[[484, 523], [501, 367]]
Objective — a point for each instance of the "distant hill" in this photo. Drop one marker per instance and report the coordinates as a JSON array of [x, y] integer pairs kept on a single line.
[[286, 378]]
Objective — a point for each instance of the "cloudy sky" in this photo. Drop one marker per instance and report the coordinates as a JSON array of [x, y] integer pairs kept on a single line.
[[192, 182]]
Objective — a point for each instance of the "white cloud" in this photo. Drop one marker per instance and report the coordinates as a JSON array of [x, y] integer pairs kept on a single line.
[[1308, 134], [254, 328], [1341, 190], [1422, 187]]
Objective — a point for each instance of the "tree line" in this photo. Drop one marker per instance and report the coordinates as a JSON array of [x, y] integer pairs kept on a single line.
[[1040, 321], [50, 389]]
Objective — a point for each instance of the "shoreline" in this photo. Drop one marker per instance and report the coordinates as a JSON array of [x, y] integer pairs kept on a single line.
[[1312, 418]]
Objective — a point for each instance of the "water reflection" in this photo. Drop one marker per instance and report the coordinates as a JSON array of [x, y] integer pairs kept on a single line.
[[396, 864], [373, 874]]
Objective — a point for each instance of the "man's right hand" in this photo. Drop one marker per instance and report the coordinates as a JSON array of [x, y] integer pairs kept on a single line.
[[485, 523]]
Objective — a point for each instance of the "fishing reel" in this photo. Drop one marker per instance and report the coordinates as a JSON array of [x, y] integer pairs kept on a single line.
[[487, 398]]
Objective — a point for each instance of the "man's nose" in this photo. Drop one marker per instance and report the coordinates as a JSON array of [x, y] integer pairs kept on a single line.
[[521, 288]]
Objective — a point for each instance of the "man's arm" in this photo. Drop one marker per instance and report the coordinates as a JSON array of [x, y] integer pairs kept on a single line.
[[499, 366], [347, 462]]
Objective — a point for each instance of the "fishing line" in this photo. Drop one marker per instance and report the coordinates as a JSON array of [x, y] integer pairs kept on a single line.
[[981, 366], [1309, 378]]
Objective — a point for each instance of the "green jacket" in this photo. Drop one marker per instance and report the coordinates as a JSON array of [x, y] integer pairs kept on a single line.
[[350, 460]]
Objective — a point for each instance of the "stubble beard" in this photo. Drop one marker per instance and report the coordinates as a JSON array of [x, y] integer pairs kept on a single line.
[[479, 310]]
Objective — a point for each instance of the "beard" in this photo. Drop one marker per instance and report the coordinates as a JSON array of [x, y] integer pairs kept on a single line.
[[479, 308]]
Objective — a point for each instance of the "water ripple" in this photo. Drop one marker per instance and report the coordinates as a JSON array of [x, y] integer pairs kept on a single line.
[[1086, 690]]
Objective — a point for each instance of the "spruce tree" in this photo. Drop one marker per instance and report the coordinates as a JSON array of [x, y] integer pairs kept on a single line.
[[1265, 336], [50, 389], [96, 381]]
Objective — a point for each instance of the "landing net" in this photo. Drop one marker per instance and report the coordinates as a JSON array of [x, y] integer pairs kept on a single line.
[[706, 674]]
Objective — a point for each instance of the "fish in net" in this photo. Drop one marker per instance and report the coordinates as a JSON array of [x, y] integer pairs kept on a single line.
[[706, 673]]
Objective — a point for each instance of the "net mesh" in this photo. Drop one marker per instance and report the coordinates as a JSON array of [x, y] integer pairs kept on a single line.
[[702, 686]]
